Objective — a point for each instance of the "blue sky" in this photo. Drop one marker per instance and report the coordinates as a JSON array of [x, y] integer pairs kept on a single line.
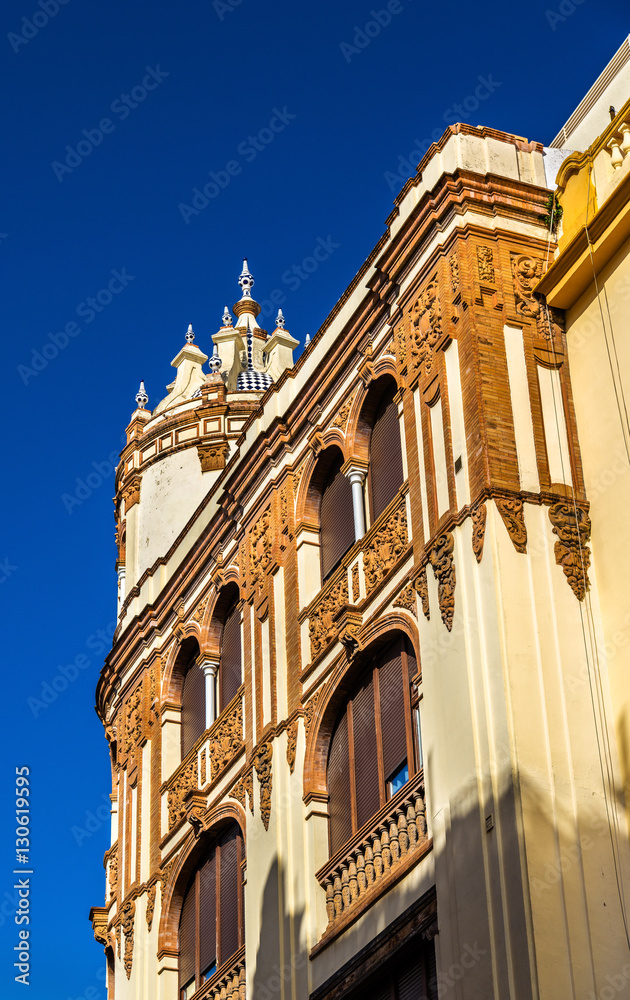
[[302, 118]]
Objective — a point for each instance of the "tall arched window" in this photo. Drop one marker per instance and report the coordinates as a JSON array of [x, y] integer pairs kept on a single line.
[[193, 722], [336, 520], [375, 746], [386, 465], [211, 921], [230, 668]]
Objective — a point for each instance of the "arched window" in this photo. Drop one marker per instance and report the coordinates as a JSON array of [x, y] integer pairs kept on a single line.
[[193, 722], [386, 465], [336, 520], [375, 746], [211, 921], [230, 668]]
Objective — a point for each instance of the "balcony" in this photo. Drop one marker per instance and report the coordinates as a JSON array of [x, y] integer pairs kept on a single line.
[[228, 982], [376, 858], [207, 760]]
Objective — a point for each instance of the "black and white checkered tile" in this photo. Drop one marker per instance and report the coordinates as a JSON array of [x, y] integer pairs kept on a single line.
[[253, 380]]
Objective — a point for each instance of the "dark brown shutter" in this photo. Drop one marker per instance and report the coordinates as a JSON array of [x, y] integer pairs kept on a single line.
[[365, 753], [393, 724], [193, 707], [410, 981], [228, 852], [386, 468], [430, 971], [230, 668], [208, 913], [339, 786], [336, 519], [187, 924]]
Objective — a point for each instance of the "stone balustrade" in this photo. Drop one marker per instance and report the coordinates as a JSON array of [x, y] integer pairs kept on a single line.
[[363, 867], [228, 982]]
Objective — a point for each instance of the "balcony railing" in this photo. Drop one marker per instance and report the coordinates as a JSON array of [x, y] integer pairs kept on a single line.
[[377, 853], [208, 758], [228, 982]]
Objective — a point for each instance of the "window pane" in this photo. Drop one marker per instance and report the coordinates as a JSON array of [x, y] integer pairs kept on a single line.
[[397, 780]]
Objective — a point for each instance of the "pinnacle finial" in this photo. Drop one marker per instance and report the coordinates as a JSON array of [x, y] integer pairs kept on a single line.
[[227, 317], [246, 281], [280, 320], [307, 340], [141, 397], [190, 334]]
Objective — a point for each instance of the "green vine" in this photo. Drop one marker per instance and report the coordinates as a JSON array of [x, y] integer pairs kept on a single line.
[[554, 213]]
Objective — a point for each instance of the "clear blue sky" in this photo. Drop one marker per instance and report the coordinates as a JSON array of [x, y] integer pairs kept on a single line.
[[330, 117]]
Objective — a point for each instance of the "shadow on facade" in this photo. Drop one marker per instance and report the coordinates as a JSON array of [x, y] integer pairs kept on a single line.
[[280, 957]]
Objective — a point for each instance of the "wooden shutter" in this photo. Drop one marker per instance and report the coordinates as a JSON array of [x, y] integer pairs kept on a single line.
[[393, 716], [230, 888], [193, 707], [208, 913], [368, 800], [386, 468], [230, 668], [187, 927], [336, 519], [339, 787]]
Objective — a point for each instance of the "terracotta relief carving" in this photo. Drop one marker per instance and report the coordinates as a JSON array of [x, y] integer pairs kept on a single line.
[[426, 326], [200, 610], [213, 455], [401, 345], [478, 530], [572, 525], [407, 599], [260, 548], [113, 870], [349, 628], [321, 625], [441, 558], [422, 589], [341, 417], [99, 925], [128, 914], [309, 711], [485, 264], [262, 763], [385, 548], [151, 891], [513, 516], [238, 792], [131, 492], [526, 271], [356, 587], [185, 781], [453, 264], [133, 722], [292, 735], [226, 739]]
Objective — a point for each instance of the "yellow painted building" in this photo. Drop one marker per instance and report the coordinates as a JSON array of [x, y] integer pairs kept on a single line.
[[360, 697]]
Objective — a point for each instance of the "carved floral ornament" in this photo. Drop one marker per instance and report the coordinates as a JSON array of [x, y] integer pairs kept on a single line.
[[341, 417], [426, 326], [478, 530], [513, 514], [526, 272], [260, 548], [385, 548], [213, 455], [128, 914], [262, 763], [407, 599], [321, 626], [485, 264], [572, 525], [441, 559]]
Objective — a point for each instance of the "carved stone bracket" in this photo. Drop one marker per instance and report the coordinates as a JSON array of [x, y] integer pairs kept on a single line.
[[131, 491], [151, 891], [422, 589], [262, 763], [292, 735], [349, 624], [572, 525], [98, 916], [513, 514], [213, 454], [478, 530], [128, 914], [441, 559]]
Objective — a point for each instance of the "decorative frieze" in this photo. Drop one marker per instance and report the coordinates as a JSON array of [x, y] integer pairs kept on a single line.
[[572, 525], [321, 625], [478, 516], [262, 763], [513, 514], [226, 738], [441, 559]]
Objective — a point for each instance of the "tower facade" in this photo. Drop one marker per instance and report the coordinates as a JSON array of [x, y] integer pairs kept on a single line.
[[349, 700]]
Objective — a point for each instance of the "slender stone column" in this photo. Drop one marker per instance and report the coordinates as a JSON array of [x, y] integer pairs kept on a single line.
[[210, 669], [121, 586], [356, 474]]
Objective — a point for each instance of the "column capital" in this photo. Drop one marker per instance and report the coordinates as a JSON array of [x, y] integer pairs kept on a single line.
[[209, 665], [355, 469]]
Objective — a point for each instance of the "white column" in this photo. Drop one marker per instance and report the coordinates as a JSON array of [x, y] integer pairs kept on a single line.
[[121, 586], [356, 475], [210, 669]]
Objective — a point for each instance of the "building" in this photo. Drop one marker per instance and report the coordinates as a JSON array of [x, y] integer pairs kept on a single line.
[[358, 703]]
